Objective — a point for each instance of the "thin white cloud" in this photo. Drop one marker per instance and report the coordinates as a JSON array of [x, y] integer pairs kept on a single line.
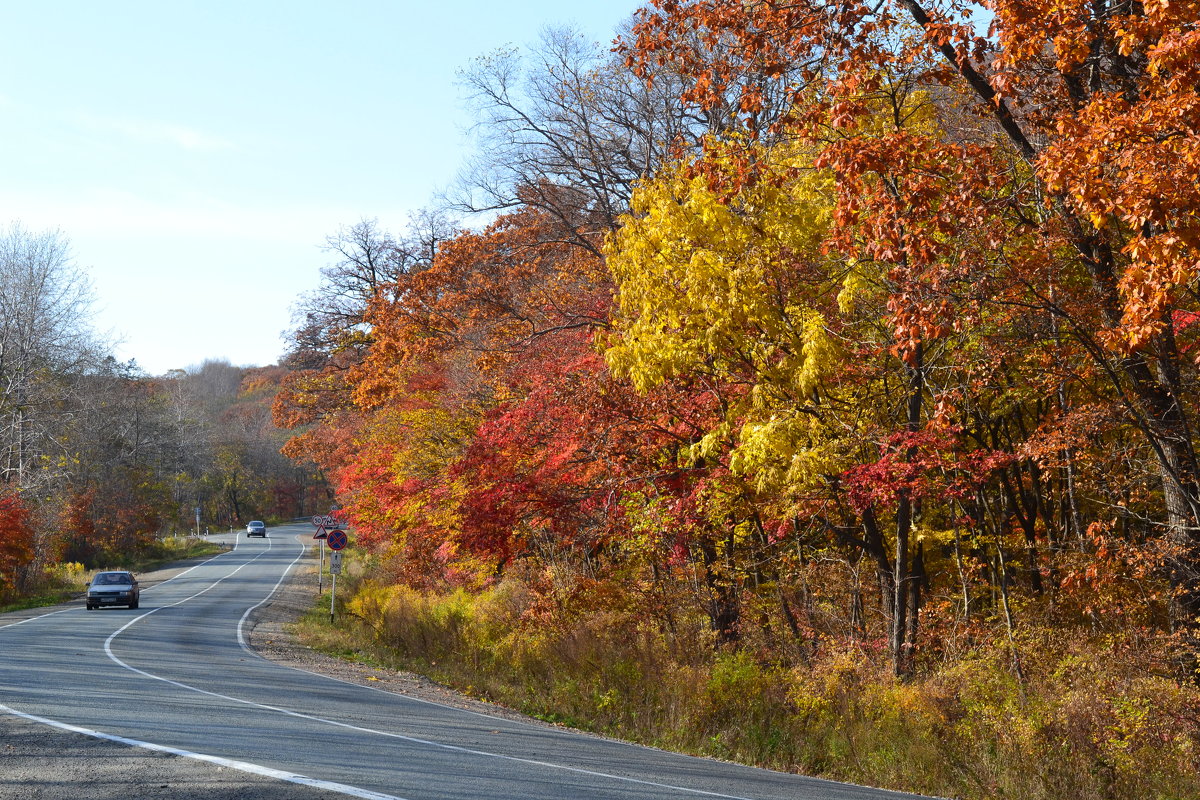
[[114, 213], [149, 131]]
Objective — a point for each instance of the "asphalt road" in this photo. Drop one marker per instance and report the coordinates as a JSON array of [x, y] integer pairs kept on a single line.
[[175, 676]]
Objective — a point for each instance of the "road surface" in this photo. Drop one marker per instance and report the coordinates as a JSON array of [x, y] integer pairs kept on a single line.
[[176, 676]]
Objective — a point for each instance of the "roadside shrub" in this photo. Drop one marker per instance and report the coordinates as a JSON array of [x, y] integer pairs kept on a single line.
[[1081, 724]]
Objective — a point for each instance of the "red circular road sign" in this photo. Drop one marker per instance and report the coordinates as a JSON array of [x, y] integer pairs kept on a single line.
[[336, 539]]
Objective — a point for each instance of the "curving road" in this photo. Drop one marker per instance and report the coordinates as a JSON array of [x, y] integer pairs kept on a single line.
[[176, 676]]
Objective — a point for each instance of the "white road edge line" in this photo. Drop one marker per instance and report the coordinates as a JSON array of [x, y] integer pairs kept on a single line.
[[387, 734], [39, 616], [288, 776], [243, 766], [412, 698], [242, 622], [483, 714], [140, 617], [256, 769]]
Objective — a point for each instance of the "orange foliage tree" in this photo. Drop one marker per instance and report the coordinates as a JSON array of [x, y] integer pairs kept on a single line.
[[1066, 147]]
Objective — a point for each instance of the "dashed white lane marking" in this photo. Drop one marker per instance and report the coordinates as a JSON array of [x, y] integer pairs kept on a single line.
[[255, 769], [168, 580], [360, 729], [243, 766], [140, 617]]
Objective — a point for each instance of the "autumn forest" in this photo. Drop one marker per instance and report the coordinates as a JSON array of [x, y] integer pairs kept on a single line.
[[100, 463], [818, 392]]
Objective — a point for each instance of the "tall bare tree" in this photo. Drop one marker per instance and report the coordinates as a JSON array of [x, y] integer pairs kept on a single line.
[[566, 127], [45, 334]]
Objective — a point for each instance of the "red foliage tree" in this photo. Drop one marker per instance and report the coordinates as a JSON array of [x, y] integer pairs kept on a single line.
[[16, 539]]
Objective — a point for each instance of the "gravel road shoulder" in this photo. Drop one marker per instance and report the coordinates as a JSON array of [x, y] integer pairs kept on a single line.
[[268, 635]]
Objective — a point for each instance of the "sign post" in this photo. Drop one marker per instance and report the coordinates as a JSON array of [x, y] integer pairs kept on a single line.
[[320, 536], [337, 540]]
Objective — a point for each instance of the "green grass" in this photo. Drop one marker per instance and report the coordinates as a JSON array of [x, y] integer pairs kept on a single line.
[[40, 600], [168, 551]]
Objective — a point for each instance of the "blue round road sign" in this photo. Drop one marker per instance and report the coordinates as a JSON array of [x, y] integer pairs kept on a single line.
[[336, 539]]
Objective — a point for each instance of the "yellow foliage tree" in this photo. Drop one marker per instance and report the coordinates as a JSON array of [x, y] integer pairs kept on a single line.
[[743, 295], [738, 294]]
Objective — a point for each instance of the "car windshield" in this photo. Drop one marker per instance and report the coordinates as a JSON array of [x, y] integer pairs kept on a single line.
[[106, 578]]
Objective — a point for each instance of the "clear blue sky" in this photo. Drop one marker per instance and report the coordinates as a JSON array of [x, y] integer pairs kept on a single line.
[[197, 154]]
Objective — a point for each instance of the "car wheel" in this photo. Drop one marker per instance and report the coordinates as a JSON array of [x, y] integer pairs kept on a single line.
[[89, 606], [134, 604]]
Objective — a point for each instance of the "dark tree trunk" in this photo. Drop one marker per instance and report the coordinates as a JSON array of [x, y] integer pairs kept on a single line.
[[723, 606]]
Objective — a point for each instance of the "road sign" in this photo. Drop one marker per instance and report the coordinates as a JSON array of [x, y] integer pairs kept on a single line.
[[337, 539], [335, 563], [324, 521], [321, 533]]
